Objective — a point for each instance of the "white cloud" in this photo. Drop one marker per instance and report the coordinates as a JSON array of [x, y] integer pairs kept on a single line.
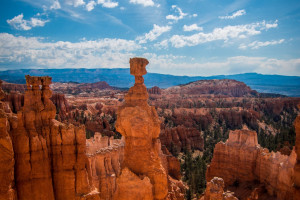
[[258, 44], [274, 25], [162, 44], [225, 33], [33, 51], [193, 27], [195, 15], [232, 65], [154, 33], [90, 6], [142, 2], [108, 3], [55, 5], [21, 24], [234, 15], [179, 11], [75, 3]]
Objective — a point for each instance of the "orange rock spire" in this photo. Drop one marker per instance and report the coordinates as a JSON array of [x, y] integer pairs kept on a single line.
[[139, 124]]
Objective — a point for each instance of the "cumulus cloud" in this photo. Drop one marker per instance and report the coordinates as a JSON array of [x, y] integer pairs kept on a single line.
[[55, 5], [178, 17], [154, 33], [75, 3], [258, 44], [226, 33], [108, 3], [90, 6], [231, 65], [21, 24], [143, 2], [33, 51], [234, 15], [193, 27]]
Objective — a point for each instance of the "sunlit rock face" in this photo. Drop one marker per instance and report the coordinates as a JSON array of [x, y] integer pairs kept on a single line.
[[50, 160], [241, 159], [139, 124], [215, 191]]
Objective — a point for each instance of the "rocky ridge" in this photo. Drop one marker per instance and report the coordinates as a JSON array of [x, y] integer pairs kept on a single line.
[[241, 159]]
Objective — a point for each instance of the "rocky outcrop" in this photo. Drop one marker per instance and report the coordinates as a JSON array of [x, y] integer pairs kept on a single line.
[[61, 104], [297, 165], [154, 90], [50, 160], [241, 159], [215, 191], [7, 186], [182, 137], [140, 126], [105, 158]]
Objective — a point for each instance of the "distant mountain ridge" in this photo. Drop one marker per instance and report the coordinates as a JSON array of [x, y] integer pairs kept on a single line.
[[285, 85]]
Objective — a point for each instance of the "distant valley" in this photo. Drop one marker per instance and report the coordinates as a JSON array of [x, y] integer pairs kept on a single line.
[[121, 78]]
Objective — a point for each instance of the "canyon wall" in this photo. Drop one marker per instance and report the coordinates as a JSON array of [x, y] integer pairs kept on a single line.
[[182, 137], [241, 159], [49, 156], [105, 156], [7, 184], [297, 165]]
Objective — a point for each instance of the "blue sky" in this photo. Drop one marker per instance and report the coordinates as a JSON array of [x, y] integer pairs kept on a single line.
[[180, 37]]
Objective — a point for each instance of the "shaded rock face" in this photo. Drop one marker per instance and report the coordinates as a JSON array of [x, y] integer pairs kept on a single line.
[[182, 137], [50, 161], [154, 90], [15, 101], [297, 165], [61, 104], [241, 159], [7, 187], [140, 126]]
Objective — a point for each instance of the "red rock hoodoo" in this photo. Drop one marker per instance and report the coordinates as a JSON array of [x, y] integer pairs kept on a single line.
[[50, 160], [139, 124]]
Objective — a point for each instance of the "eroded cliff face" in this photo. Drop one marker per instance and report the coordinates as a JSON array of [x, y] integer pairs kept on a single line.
[[242, 160], [7, 186], [50, 160], [105, 158], [297, 165]]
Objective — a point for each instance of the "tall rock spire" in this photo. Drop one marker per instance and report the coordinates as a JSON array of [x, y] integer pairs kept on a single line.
[[139, 124]]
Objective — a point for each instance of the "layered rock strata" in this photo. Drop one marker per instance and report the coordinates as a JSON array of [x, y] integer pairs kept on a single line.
[[50, 160], [297, 165], [241, 159], [105, 157], [7, 186], [140, 126]]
